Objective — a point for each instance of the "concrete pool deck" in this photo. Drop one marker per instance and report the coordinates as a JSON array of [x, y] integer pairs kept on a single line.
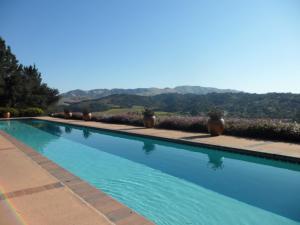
[[30, 195], [36, 191]]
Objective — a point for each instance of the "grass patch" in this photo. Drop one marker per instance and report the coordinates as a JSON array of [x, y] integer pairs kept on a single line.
[[133, 110]]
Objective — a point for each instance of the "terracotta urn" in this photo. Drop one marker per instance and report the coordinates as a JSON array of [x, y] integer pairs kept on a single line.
[[6, 115], [87, 116], [216, 126], [68, 115], [149, 121]]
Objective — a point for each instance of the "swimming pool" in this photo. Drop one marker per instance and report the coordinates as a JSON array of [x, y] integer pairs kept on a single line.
[[170, 183]]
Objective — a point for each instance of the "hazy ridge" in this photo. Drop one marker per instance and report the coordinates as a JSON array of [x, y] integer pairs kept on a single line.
[[80, 95]]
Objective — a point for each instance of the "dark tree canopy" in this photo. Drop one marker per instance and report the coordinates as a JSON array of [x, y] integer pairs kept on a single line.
[[22, 86]]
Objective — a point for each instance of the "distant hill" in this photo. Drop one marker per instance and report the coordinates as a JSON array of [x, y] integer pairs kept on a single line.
[[271, 105], [80, 95]]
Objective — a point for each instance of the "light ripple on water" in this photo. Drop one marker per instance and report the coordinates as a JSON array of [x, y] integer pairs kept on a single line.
[[163, 198]]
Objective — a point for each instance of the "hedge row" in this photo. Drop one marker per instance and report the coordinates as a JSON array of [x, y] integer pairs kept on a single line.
[[251, 128], [21, 112]]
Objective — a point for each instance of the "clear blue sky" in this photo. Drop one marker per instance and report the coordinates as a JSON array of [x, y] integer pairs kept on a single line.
[[250, 45]]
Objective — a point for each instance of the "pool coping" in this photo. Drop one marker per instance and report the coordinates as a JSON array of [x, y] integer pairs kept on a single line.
[[115, 212], [240, 150]]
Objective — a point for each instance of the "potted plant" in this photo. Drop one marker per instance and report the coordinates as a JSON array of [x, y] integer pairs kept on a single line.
[[68, 113], [7, 112], [149, 118], [216, 123], [6, 115], [86, 115]]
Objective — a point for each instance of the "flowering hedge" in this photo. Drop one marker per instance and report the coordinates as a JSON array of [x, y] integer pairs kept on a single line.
[[267, 129], [251, 128]]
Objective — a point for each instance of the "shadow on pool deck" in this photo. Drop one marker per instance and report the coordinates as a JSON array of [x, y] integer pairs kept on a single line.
[[196, 137]]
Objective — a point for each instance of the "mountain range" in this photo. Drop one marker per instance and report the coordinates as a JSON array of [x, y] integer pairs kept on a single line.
[[246, 105], [80, 95]]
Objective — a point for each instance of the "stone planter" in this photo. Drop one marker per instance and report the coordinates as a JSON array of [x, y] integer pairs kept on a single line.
[[68, 115], [149, 121], [6, 115], [87, 116], [216, 127]]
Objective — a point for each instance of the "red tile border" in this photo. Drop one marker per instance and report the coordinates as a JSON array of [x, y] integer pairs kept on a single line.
[[5, 149], [29, 191], [115, 212]]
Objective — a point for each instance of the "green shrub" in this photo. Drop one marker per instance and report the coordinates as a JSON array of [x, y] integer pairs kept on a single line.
[[75, 115], [128, 119], [59, 115], [31, 112], [13, 112], [215, 114], [263, 129], [67, 110], [148, 112], [185, 123], [86, 111]]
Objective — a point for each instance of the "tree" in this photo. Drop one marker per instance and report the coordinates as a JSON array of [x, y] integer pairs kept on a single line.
[[22, 86], [297, 116]]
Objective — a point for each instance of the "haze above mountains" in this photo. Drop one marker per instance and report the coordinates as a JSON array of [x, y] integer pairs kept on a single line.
[[80, 95]]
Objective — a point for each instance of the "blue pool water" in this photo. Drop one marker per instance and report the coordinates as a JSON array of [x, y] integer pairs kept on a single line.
[[171, 184]]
